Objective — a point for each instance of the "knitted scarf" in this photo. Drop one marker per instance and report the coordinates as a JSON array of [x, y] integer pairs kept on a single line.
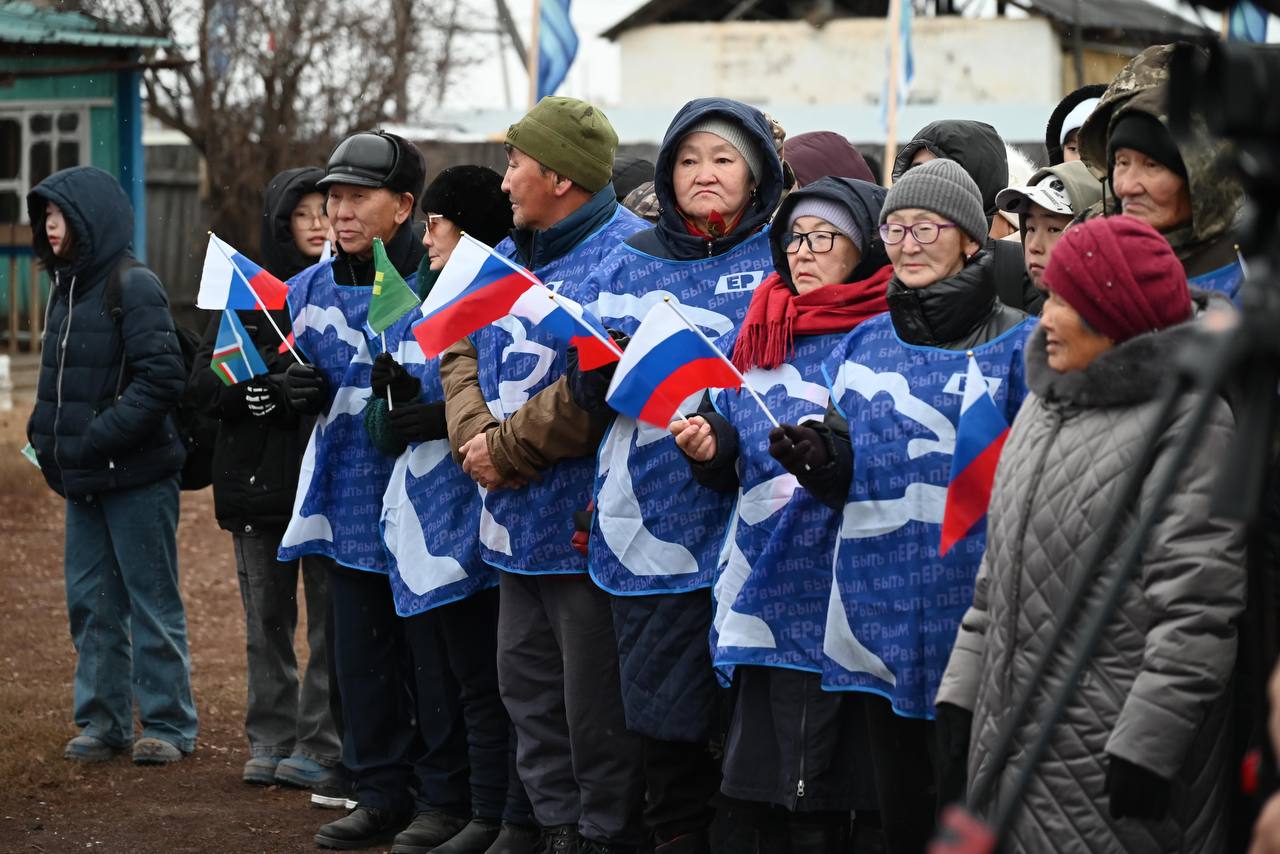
[[777, 314]]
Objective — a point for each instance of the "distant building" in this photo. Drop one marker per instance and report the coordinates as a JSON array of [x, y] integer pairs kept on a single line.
[[825, 61], [69, 96]]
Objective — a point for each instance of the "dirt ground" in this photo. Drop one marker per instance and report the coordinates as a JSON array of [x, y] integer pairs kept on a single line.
[[50, 805]]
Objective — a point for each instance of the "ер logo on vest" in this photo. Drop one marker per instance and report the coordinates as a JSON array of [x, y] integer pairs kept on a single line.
[[733, 283]]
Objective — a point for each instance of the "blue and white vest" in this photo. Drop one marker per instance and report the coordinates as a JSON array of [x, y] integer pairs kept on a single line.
[[655, 530], [1225, 280], [530, 530], [431, 509], [775, 568], [338, 505], [896, 604]]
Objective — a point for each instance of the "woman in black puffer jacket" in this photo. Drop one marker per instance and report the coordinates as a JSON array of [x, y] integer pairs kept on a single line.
[[104, 433]]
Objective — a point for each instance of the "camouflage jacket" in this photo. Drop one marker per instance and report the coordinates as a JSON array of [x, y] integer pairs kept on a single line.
[[1208, 242]]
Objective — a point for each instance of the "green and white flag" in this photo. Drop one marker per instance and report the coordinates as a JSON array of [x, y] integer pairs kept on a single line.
[[392, 298]]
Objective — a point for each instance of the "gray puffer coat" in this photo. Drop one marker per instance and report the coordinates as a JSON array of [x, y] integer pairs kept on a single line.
[[1155, 692]]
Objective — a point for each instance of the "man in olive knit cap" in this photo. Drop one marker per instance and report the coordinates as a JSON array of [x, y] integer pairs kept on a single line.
[[516, 433]]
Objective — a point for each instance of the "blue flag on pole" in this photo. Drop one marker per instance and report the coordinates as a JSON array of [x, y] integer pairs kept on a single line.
[[1248, 23], [906, 67], [557, 46]]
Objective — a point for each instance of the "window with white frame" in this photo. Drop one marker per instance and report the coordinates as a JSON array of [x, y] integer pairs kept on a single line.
[[35, 142]]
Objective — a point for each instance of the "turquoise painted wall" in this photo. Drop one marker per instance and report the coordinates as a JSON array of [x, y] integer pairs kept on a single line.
[[104, 148]]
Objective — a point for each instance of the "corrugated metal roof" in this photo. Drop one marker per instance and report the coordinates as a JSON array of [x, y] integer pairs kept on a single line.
[[1130, 20], [26, 23], [1135, 18]]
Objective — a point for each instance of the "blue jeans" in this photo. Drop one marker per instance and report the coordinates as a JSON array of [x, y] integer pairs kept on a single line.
[[127, 621]]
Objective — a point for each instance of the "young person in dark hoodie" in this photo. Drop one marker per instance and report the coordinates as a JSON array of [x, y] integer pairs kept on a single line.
[[292, 737], [883, 459], [656, 534], [795, 755], [105, 437], [372, 182], [981, 152]]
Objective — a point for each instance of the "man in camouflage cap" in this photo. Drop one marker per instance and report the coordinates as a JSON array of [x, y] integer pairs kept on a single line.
[[1173, 183]]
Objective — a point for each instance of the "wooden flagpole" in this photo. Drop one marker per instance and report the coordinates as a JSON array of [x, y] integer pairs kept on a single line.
[[891, 91], [533, 52]]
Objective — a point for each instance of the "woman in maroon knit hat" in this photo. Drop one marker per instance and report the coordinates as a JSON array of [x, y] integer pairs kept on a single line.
[[1137, 763]]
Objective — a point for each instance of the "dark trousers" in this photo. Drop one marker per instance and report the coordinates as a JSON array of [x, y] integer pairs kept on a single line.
[[902, 757], [558, 673], [382, 745], [794, 745], [284, 715], [455, 653], [681, 780]]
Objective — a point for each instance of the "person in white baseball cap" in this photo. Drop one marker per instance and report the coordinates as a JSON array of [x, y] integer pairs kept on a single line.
[[1046, 206]]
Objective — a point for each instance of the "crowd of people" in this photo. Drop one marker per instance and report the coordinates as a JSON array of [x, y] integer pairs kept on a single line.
[[538, 625]]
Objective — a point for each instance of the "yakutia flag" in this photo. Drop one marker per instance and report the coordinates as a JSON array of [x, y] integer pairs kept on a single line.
[[230, 280], [664, 363], [476, 287], [568, 321], [979, 437], [232, 361]]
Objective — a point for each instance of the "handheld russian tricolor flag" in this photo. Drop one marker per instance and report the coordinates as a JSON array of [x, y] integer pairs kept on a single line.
[[666, 361], [476, 287], [230, 280], [570, 322], [980, 436], [232, 361]]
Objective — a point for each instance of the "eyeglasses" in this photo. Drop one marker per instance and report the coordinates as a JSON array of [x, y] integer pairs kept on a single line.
[[922, 232], [818, 241]]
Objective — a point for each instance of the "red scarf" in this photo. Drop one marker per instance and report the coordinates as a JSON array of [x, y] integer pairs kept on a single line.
[[717, 226], [776, 315]]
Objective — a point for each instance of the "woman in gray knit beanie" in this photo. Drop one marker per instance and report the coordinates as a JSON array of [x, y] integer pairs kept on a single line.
[[934, 231], [944, 200]]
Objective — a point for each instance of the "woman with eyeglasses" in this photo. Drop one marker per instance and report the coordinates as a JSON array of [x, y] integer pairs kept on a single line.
[[883, 458], [794, 753]]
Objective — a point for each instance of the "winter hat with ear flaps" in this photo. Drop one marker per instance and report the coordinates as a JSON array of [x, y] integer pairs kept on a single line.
[[376, 159], [1121, 276], [943, 187], [570, 137]]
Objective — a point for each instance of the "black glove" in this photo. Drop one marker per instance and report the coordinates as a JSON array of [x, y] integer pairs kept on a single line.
[[387, 373], [419, 422], [799, 449], [276, 362], [305, 389], [262, 396], [1135, 792], [952, 730], [588, 388]]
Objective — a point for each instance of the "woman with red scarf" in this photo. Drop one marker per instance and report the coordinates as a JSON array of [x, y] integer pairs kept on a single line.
[[795, 763]]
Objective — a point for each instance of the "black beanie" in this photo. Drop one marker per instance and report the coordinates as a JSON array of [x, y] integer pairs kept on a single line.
[[471, 197], [1143, 132]]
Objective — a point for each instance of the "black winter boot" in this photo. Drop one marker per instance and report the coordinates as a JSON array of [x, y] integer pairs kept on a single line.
[[562, 839], [475, 838], [514, 839], [429, 829], [364, 828]]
